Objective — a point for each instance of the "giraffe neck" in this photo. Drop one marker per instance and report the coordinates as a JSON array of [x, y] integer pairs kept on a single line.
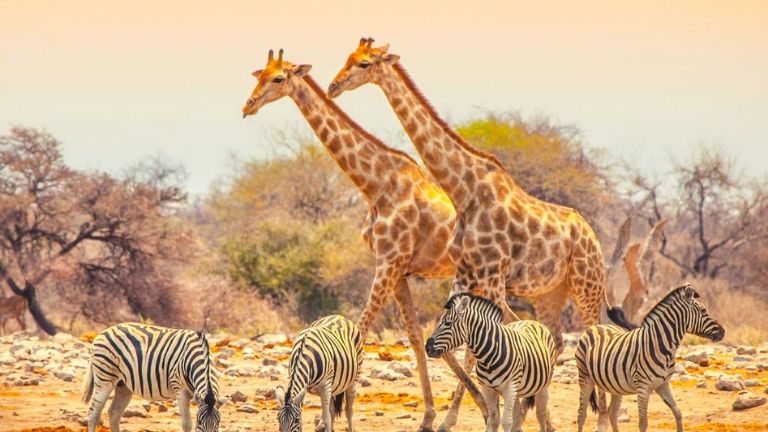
[[456, 166], [361, 156]]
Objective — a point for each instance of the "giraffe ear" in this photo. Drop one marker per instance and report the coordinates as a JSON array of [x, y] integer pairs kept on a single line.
[[302, 70], [257, 72], [390, 58]]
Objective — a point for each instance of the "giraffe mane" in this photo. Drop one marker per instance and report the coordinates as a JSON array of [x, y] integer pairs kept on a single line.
[[353, 124], [446, 128]]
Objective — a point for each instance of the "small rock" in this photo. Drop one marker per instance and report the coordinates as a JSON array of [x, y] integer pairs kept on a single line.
[[250, 409], [401, 368], [751, 382], [746, 349], [135, 411], [64, 375], [701, 384], [382, 372], [699, 356], [747, 400], [742, 358], [404, 416], [268, 361], [162, 408], [411, 404], [240, 371], [378, 413], [385, 355], [364, 382], [729, 383], [272, 339], [147, 406], [238, 397]]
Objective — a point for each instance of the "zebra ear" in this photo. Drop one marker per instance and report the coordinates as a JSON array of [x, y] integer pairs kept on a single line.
[[688, 292], [280, 395], [463, 304], [222, 401], [299, 399]]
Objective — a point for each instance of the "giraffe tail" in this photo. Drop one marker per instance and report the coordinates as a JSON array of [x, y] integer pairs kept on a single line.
[[617, 314]]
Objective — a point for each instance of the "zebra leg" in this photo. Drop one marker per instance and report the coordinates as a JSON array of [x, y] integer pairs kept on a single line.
[[542, 411], [511, 419], [665, 391], [119, 403], [349, 395], [492, 401], [642, 408], [586, 387], [325, 403], [613, 412], [182, 400], [100, 395], [415, 336]]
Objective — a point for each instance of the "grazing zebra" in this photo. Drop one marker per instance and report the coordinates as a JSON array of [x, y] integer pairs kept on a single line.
[[640, 361], [514, 360], [155, 363], [325, 360]]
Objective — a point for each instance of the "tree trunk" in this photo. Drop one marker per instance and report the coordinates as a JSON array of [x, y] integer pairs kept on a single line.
[[30, 293]]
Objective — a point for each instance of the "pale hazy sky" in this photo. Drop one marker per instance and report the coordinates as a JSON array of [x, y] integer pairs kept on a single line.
[[117, 81]]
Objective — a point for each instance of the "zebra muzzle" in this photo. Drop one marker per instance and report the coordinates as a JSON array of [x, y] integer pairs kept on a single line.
[[432, 352]]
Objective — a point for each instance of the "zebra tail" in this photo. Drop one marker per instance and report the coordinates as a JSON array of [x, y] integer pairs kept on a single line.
[[530, 401], [338, 404], [620, 318], [593, 401], [88, 385]]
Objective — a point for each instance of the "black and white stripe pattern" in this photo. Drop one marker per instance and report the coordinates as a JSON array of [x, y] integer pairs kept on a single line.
[[641, 361], [514, 361], [325, 360], [155, 363]]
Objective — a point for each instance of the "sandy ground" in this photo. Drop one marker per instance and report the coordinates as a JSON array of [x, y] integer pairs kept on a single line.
[[54, 404]]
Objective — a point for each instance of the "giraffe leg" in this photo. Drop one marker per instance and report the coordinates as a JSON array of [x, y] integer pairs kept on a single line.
[[405, 304], [465, 382], [387, 275], [548, 308]]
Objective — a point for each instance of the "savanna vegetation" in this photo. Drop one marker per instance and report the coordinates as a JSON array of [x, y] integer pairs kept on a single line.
[[276, 243]]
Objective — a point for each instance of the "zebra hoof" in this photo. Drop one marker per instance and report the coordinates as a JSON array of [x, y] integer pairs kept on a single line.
[[443, 429], [425, 429]]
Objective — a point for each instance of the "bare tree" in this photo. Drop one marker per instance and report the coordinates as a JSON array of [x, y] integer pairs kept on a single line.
[[93, 231], [716, 212]]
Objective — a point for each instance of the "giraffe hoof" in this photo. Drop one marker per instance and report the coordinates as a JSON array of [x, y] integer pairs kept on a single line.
[[425, 429], [443, 429]]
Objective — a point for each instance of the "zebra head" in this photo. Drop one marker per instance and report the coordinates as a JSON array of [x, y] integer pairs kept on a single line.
[[451, 330], [208, 416], [699, 321], [289, 411]]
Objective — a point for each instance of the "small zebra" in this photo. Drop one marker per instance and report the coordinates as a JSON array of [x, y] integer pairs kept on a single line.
[[325, 360], [640, 360], [514, 360], [155, 363]]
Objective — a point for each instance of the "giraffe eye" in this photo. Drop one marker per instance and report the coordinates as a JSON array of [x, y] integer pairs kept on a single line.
[[278, 79], [364, 65]]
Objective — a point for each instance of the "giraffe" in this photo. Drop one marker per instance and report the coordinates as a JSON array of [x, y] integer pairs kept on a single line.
[[505, 241], [410, 219]]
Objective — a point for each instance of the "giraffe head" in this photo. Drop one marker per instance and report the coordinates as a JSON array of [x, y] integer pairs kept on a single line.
[[278, 78], [363, 66]]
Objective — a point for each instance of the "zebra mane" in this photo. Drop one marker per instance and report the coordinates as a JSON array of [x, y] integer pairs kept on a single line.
[[497, 313], [671, 297], [210, 398], [291, 363]]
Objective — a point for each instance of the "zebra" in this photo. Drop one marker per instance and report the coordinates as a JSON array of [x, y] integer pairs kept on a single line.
[[325, 360], [514, 360], [155, 363], [640, 360]]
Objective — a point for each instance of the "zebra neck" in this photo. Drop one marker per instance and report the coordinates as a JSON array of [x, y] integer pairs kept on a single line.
[[483, 335], [663, 333], [296, 384]]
